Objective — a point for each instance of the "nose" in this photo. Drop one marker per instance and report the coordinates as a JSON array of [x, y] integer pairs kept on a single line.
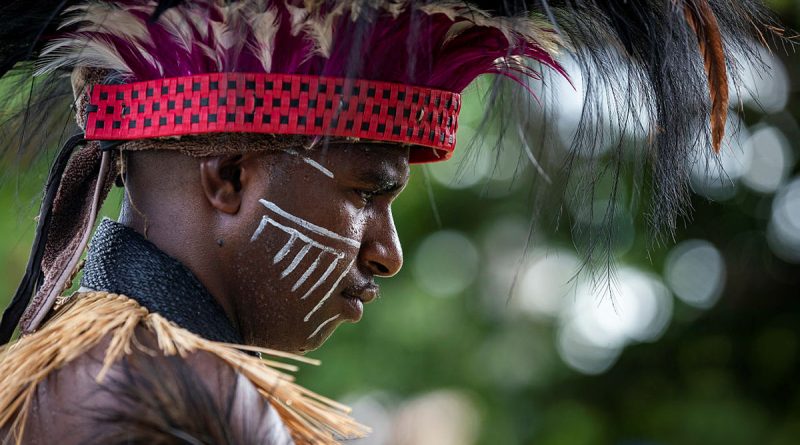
[[380, 252]]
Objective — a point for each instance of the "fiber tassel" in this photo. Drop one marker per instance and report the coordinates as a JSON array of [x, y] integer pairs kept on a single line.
[[703, 22]]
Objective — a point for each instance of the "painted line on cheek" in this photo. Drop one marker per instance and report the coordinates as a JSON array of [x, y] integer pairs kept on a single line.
[[308, 272], [322, 325], [285, 249], [307, 225], [295, 234], [297, 258], [321, 279], [330, 292], [261, 226]]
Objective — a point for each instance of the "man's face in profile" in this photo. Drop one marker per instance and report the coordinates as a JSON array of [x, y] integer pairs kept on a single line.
[[314, 229]]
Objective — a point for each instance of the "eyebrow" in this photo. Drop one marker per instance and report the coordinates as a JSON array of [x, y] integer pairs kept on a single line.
[[384, 181]]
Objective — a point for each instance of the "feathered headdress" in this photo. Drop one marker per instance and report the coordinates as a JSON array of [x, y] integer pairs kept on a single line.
[[367, 70]]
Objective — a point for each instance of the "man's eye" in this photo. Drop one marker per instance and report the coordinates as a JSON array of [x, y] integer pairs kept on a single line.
[[366, 195]]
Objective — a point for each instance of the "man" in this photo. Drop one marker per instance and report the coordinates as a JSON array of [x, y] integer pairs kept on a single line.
[[288, 243], [261, 144]]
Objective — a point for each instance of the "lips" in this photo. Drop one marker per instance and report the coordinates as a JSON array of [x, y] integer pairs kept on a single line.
[[354, 298], [365, 293]]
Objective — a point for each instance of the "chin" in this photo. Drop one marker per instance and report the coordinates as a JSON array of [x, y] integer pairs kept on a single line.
[[294, 346], [312, 343], [296, 338]]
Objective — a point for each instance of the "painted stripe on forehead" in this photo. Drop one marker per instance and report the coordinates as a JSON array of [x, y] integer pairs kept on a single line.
[[318, 166], [312, 163], [308, 225]]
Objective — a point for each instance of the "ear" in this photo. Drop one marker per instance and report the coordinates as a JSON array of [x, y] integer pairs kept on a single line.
[[221, 177]]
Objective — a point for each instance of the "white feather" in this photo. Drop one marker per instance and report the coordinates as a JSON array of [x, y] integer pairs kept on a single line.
[[67, 53], [180, 30], [319, 29], [265, 26], [298, 16], [251, 24], [212, 54], [107, 18]]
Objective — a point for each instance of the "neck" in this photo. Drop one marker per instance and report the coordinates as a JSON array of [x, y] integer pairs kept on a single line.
[[120, 261], [167, 209]]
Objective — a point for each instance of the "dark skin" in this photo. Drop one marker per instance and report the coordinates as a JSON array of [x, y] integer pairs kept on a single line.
[[71, 408], [205, 211]]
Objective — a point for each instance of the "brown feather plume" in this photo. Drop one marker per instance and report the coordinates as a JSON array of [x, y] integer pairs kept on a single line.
[[702, 21]]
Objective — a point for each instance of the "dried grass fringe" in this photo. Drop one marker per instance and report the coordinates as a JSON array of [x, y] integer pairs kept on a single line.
[[88, 318]]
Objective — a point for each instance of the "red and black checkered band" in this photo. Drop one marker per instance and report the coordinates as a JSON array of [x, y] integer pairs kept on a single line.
[[277, 104]]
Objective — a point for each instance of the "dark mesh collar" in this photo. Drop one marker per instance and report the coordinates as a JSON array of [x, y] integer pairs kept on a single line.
[[121, 261]]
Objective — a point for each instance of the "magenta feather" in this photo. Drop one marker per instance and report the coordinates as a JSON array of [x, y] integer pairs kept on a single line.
[[415, 47]]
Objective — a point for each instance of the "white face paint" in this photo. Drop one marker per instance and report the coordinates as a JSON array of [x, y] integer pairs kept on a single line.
[[312, 163], [303, 224], [305, 239], [322, 325], [302, 248]]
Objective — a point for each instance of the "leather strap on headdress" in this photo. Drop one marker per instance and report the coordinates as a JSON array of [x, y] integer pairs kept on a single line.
[[76, 187]]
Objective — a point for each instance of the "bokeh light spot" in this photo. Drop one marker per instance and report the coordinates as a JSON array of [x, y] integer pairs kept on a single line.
[[545, 284], [443, 417], [783, 232], [582, 354], [764, 87], [445, 263], [695, 271], [715, 176], [770, 161], [637, 308], [370, 409], [461, 172]]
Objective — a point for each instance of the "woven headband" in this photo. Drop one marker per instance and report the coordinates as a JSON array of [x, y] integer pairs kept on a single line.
[[277, 104]]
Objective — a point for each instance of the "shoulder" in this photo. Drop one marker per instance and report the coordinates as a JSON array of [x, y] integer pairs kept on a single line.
[[148, 397]]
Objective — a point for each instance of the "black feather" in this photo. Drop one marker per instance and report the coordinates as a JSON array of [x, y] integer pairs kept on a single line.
[[661, 65], [24, 23]]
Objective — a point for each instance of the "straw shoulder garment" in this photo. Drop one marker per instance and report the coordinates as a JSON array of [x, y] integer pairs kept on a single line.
[[90, 320]]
